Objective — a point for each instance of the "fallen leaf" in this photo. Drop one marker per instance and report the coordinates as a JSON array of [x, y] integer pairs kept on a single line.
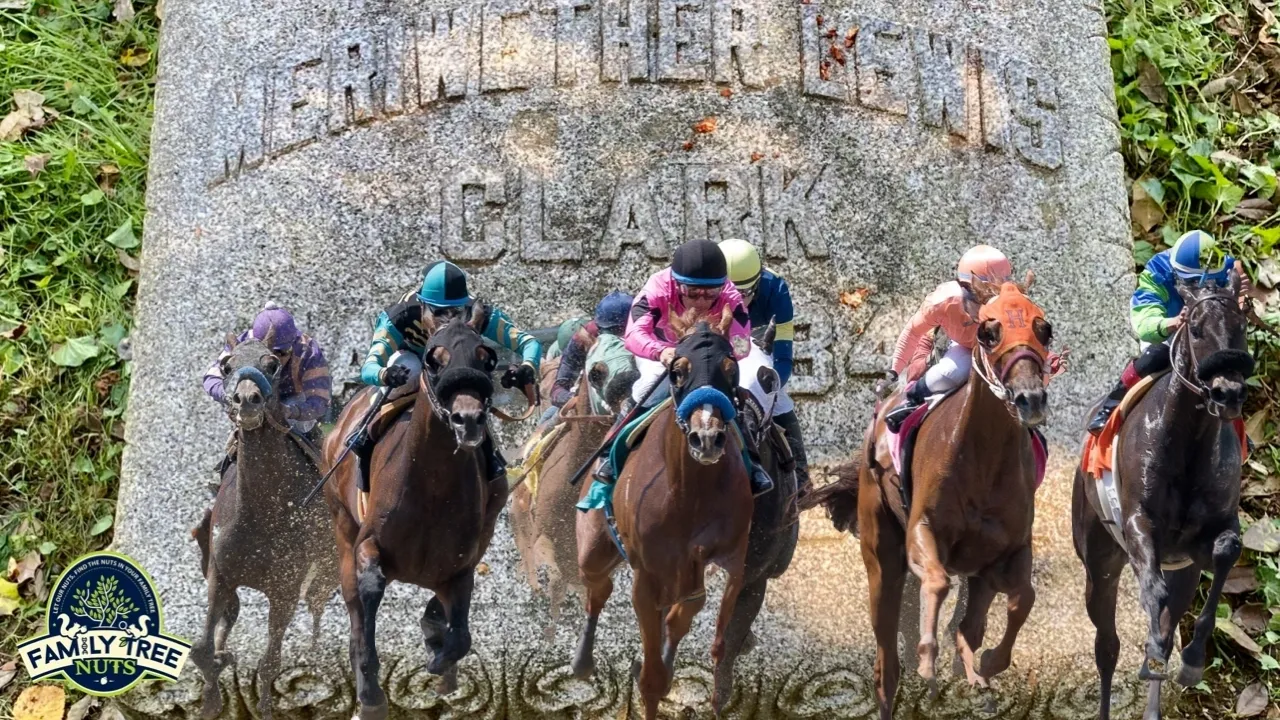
[[1144, 212], [1241, 638], [123, 11], [1219, 86], [706, 125], [824, 70], [756, 156], [851, 38], [1255, 209], [854, 299], [1251, 618], [75, 351], [29, 114], [25, 569], [135, 57], [1240, 580], [726, 92], [482, 569], [1151, 84], [108, 174], [8, 598], [820, 20], [40, 702], [81, 708], [35, 163], [1256, 424], [1252, 701], [40, 587], [1241, 103], [1269, 273], [1230, 24], [111, 712], [1267, 487], [687, 146], [131, 263], [13, 331], [837, 54], [7, 672], [102, 524], [1263, 536]]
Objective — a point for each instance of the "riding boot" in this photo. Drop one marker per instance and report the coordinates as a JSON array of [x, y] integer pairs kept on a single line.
[[362, 448], [1108, 406], [791, 424], [917, 392], [604, 472], [497, 463], [761, 483]]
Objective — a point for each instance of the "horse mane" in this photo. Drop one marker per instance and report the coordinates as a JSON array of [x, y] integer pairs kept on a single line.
[[840, 497], [685, 323]]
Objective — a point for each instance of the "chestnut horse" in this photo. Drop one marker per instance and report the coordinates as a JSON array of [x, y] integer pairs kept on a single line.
[[682, 501], [972, 490], [1179, 488], [430, 511]]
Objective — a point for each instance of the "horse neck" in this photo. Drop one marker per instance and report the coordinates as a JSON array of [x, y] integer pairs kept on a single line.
[[263, 467], [425, 431], [984, 415]]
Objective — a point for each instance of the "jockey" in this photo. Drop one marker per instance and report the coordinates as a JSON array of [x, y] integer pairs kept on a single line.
[[769, 299], [610, 318], [697, 279], [953, 306], [564, 334], [1156, 310], [444, 294]]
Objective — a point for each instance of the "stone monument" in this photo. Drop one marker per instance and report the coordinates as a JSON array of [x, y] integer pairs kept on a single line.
[[320, 154]]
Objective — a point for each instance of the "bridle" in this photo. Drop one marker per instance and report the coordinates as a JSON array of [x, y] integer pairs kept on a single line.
[[267, 386], [1213, 407]]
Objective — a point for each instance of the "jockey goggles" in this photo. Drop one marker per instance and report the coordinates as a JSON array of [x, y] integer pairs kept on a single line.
[[701, 291]]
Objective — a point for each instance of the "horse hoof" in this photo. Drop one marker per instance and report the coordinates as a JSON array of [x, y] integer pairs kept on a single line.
[[635, 669], [933, 689], [989, 667], [748, 643], [440, 665], [583, 667], [1190, 675], [1152, 670], [373, 712], [448, 682], [212, 706]]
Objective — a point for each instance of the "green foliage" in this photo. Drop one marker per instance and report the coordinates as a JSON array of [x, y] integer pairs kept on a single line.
[[105, 605], [71, 199]]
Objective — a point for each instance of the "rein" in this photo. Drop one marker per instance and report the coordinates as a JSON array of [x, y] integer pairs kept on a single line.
[[1213, 407], [427, 381], [982, 368], [268, 389]]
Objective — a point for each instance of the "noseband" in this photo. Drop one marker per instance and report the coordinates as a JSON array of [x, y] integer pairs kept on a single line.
[[265, 385], [1197, 386], [429, 379]]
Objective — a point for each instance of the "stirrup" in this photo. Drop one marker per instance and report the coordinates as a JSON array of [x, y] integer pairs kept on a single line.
[[1103, 415], [895, 417], [761, 483]]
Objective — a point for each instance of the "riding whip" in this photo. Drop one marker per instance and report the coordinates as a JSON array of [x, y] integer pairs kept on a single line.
[[351, 440], [617, 428]]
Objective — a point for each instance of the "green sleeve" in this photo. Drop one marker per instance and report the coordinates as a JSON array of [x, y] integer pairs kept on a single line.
[[1148, 315], [501, 330], [386, 341]]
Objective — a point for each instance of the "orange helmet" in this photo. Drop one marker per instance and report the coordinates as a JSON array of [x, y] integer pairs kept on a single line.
[[983, 262]]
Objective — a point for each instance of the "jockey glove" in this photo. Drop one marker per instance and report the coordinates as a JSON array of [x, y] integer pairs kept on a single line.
[[518, 376], [394, 376], [560, 396]]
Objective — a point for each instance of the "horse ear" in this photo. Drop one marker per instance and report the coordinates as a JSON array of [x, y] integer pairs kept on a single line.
[[681, 323], [1028, 282], [726, 320], [597, 375], [989, 332], [768, 379], [478, 314], [429, 322], [232, 341], [270, 339]]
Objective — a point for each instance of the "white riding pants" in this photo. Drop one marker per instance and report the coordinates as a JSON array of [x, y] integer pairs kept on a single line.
[[951, 371], [651, 371]]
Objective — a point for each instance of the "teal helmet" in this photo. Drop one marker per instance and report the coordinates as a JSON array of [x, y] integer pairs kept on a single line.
[[444, 285], [567, 330]]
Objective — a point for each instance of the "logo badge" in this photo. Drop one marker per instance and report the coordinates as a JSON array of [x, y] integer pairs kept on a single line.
[[104, 630]]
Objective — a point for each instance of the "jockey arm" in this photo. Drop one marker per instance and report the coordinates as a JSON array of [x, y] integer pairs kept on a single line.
[[916, 339], [782, 311], [641, 336], [311, 400], [501, 330], [572, 359], [386, 341], [1152, 308]]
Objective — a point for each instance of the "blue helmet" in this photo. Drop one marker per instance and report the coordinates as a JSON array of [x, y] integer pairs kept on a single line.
[[612, 312], [444, 285], [1193, 253]]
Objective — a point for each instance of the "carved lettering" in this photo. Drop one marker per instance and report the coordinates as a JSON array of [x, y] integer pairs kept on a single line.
[[400, 76], [822, 75], [717, 201], [299, 106], [448, 54], [1034, 102], [815, 365], [788, 212], [944, 68], [535, 228], [471, 215], [735, 41], [511, 48], [624, 37], [572, 40], [241, 105], [884, 75], [633, 220], [684, 27], [353, 69], [995, 102]]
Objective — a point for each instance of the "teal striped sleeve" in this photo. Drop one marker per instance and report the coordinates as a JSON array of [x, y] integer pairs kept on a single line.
[[501, 330], [386, 340], [1148, 314]]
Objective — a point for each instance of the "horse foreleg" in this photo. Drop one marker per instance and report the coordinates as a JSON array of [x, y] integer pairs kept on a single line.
[[1226, 550], [597, 558], [1182, 590], [973, 626], [1015, 581], [732, 588], [882, 544], [679, 620], [370, 584], [934, 586], [208, 653], [455, 596], [1153, 594], [279, 613], [744, 614], [654, 678], [1103, 563]]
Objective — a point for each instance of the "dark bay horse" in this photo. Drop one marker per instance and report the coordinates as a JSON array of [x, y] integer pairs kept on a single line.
[[1179, 488], [543, 517], [682, 501], [972, 488], [430, 511], [255, 536]]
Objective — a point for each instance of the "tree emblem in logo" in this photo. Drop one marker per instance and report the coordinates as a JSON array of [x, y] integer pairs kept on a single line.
[[110, 629]]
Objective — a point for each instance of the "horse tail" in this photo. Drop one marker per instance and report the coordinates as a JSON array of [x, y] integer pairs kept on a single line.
[[201, 534], [839, 496]]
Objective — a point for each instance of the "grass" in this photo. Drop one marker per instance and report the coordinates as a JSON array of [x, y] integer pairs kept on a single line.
[[1198, 92], [71, 209]]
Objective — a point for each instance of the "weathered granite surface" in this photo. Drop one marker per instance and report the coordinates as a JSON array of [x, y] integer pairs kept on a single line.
[[319, 154]]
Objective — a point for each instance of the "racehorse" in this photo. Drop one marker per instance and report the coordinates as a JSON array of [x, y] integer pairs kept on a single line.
[[1179, 491], [430, 511], [969, 499], [255, 536], [682, 501]]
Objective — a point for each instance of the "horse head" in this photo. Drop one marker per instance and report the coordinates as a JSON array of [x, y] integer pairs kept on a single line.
[[704, 383], [457, 368], [250, 375], [1215, 341], [1013, 341], [611, 371]]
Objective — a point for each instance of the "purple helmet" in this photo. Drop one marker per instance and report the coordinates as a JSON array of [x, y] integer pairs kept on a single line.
[[274, 326]]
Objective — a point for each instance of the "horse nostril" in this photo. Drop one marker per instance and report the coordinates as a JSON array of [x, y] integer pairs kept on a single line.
[[1218, 395], [235, 398], [255, 398], [695, 441], [457, 419], [720, 439]]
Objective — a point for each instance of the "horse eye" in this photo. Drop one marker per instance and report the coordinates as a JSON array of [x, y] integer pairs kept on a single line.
[[225, 366], [488, 357], [439, 357], [270, 364]]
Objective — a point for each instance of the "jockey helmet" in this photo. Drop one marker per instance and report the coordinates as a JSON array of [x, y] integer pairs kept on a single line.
[[699, 263], [275, 327], [744, 263], [983, 262], [566, 331], [1195, 257], [444, 285], [611, 314]]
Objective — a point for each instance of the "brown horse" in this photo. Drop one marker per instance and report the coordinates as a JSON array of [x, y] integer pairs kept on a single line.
[[543, 523], [430, 511], [1179, 493], [682, 501], [255, 536], [971, 487]]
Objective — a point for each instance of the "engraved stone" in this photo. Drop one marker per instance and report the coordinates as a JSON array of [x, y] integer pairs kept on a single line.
[[320, 155]]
